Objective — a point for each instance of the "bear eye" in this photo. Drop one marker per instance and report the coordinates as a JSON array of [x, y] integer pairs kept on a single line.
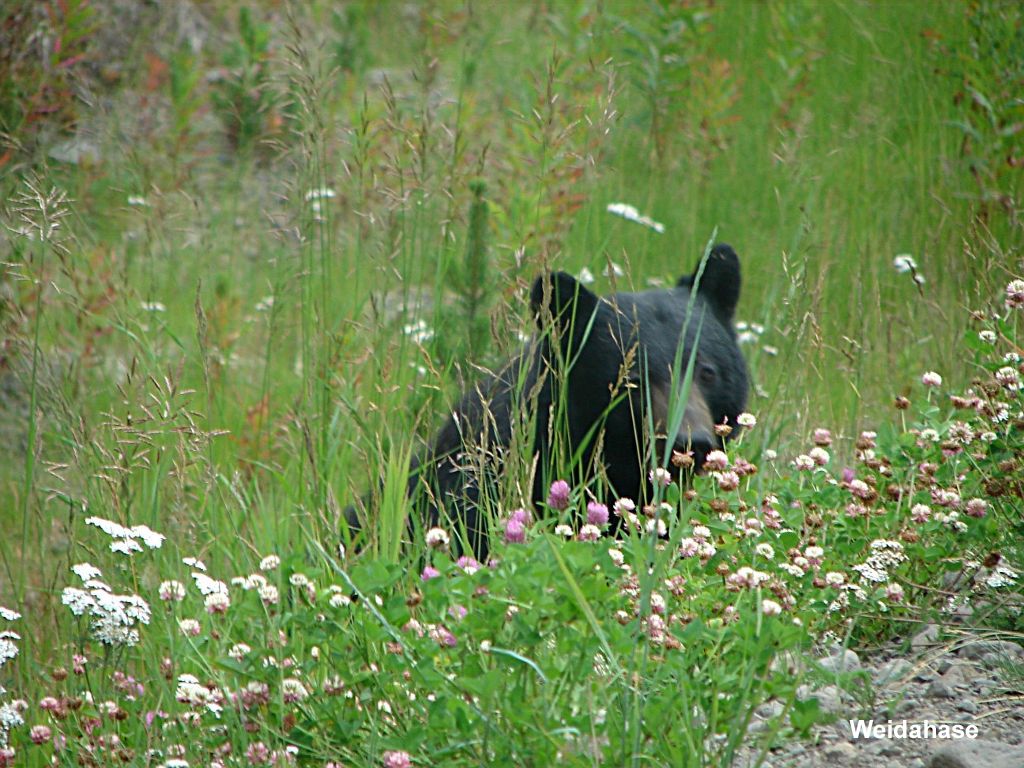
[[707, 373]]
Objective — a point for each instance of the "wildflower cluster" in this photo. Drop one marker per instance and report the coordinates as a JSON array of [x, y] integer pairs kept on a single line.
[[588, 605]]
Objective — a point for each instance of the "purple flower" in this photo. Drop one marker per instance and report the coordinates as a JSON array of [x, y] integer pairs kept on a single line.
[[397, 760], [443, 636], [848, 475], [597, 513], [522, 515], [430, 572], [515, 531], [977, 507], [558, 496]]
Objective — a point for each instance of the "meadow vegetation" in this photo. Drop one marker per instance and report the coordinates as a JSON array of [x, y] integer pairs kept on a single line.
[[251, 254]]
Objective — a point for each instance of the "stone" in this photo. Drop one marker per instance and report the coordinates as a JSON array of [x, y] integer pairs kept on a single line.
[[940, 690], [841, 661], [830, 698], [978, 649], [892, 670], [968, 753], [844, 750], [960, 673], [926, 638]]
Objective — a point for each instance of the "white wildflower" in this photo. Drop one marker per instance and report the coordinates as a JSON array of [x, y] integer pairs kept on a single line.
[[630, 213]]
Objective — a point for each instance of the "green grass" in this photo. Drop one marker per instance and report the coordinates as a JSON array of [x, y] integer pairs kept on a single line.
[[820, 139]]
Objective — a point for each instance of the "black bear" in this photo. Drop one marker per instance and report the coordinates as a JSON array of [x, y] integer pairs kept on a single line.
[[594, 384]]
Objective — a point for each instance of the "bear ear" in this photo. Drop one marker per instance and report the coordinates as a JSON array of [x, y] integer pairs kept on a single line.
[[561, 298], [720, 283]]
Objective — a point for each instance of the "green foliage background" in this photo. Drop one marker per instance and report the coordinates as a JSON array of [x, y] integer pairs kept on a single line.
[[204, 346]]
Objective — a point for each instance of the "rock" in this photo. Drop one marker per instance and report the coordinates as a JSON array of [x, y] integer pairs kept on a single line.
[[960, 673], [891, 671], [995, 660], [968, 706], [976, 753], [842, 661], [770, 709], [830, 699], [926, 638], [883, 747], [844, 750], [908, 706], [940, 690], [978, 649]]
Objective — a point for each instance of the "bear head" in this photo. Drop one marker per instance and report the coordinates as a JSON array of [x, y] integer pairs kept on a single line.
[[619, 363]]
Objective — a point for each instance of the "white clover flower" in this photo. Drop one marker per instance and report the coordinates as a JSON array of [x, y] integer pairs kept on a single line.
[[268, 594], [338, 600], [764, 549], [239, 651], [171, 590], [437, 538], [706, 550], [293, 689], [8, 615], [192, 562], [270, 562], [190, 692], [894, 592], [819, 456], [250, 582], [217, 602], [689, 547], [701, 532], [1015, 294], [563, 530], [792, 569], [189, 627], [803, 463], [988, 337], [931, 379], [770, 608], [835, 578], [1008, 378], [747, 420]]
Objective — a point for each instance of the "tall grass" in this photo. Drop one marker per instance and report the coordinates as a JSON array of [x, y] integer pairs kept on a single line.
[[273, 295]]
